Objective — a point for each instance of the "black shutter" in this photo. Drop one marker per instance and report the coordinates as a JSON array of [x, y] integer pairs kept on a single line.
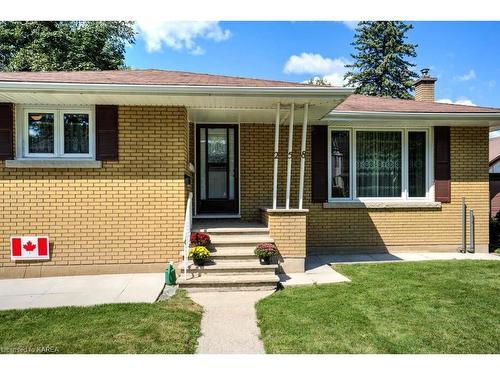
[[319, 164], [6, 131], [442, 164], [106, 132]]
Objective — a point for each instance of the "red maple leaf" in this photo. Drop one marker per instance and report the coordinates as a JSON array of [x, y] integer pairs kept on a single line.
[[29, 246]]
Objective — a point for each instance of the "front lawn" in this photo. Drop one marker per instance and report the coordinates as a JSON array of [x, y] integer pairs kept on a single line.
[[171, 326], [414, 307]]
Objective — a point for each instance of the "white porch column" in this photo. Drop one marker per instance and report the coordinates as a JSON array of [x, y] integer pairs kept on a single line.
[[276, 153], [289, 156], [303, 156]]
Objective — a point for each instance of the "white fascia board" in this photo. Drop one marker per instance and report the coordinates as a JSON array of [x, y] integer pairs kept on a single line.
[[355, 115], [176, 90]]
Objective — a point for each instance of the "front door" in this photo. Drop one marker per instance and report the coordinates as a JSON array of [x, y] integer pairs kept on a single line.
[[217, 169]]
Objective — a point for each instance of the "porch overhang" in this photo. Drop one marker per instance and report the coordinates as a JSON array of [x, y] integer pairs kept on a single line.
[[204, 103]]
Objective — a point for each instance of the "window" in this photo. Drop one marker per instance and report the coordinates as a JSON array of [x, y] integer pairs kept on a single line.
[[56, 133], [385, 164], [340, 164], [378, 164]]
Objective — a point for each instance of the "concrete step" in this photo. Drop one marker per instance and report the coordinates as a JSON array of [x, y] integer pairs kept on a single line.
[[237, 240], [234, 231], [244, 266], [229, 227], [221, 280], [234, 252]]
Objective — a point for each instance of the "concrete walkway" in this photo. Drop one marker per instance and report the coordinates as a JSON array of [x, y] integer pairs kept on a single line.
[[229, 323], [80, 290], [317, 272], [396, 257]]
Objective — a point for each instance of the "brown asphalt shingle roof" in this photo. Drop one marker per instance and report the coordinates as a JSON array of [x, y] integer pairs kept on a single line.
[[142, 77], [365, 103], [358, 103]]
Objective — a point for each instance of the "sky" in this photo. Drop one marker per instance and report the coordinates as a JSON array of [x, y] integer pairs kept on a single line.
[[464, 56]]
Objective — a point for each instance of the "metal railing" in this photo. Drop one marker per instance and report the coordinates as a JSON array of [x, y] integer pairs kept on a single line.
[[188, 222]]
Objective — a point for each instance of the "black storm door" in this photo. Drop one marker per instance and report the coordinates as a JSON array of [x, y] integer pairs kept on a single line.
[[217, 169]]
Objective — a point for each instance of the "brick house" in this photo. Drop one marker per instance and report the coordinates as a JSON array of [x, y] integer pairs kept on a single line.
[[104, 162]]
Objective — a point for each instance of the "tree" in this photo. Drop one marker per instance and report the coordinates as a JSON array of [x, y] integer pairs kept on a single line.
[[380, 66], [318, 81], [64, 45]]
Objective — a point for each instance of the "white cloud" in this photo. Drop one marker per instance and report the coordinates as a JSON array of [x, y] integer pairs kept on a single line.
[[331, 70], [462, 101], [468, 76], [180, 35], [495, 134], [351, 24]]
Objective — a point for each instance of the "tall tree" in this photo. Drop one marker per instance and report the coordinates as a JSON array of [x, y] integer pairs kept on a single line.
[[381, 66], [64, 45]]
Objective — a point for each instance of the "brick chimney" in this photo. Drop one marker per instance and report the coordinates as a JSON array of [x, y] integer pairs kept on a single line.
[[424, 87]]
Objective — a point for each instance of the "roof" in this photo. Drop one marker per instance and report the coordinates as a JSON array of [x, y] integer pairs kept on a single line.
[[142, 77], [494, 150], [365, 103]]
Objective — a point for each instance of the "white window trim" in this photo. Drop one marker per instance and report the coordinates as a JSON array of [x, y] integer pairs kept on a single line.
[[429, 196], [22, 141]]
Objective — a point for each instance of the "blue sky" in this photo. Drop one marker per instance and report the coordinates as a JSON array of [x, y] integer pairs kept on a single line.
[[463, 55]]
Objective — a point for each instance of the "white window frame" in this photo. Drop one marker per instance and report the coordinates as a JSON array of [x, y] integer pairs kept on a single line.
[[352, 130], [22, 135]]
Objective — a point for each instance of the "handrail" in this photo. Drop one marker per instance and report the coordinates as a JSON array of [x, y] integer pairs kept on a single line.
[[188, 222]]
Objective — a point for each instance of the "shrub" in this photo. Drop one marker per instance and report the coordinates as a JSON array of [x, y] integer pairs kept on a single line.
[[266, 250], [200, 254], [200, 239], [495, 229]]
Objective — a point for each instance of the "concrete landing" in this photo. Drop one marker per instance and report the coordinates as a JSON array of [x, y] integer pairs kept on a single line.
[[317, 272], [229, 323]]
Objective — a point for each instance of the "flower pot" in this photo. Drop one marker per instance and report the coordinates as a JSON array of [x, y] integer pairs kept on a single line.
[[198, 262], [265, 260]]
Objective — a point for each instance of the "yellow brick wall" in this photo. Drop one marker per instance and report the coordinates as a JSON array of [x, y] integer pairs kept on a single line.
[[127, 215], [370, 228], [288, 230], [425, 92]]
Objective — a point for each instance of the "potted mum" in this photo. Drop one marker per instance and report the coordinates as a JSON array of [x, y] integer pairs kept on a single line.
[[200, 255], [265, 251], [200, 239]]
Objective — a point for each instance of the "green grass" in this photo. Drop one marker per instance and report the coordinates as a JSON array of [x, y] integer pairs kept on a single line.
[[171, 326], [419, 307]]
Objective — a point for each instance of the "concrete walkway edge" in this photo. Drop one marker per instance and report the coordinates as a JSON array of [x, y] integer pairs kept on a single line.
[[229, 323]]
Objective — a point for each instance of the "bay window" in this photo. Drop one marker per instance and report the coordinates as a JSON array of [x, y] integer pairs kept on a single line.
[[56, 133], [381, 164]]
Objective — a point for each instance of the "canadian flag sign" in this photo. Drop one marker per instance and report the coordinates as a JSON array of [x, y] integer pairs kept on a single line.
[[31, 247]]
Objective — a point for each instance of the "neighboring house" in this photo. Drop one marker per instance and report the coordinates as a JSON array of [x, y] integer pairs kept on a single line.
[[103, 163], [494, 176]]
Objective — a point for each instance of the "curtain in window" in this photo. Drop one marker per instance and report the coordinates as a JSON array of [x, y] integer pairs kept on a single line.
[[416, 164], [76, 133], [340, 164], [378, 163]]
